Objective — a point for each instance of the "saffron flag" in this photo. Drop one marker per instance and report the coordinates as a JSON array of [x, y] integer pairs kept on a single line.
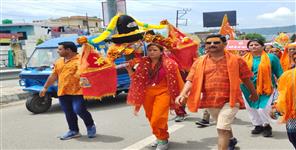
[[226, 29], [98, 77], [184, 49]]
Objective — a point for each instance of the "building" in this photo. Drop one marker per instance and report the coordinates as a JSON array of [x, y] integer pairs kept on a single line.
[[25, 34], [72, 24]]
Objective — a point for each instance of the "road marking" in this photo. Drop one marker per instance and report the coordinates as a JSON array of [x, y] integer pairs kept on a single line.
[[148, 140]]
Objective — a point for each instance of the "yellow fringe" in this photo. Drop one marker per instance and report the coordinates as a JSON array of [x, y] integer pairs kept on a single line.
[[100, 97]]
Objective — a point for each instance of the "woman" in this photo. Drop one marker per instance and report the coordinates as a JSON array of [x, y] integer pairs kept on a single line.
[[265, 67], [155, 84]]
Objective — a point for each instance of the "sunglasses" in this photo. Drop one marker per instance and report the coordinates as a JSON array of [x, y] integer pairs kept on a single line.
[[214, 42]]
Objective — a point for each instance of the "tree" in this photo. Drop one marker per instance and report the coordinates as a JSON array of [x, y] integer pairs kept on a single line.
[[251, 36], [293, 38], [39, 41]]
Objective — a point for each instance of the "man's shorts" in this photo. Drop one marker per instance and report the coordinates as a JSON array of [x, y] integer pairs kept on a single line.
[[224, 116]]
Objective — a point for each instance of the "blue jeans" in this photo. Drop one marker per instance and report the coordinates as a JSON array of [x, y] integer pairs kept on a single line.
[[74, 105], [291, 131]]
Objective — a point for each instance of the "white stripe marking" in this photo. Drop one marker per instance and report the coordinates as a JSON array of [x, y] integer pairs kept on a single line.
[[148, 140]]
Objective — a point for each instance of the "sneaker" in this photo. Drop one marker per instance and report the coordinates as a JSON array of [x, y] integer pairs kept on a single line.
[[179, 118], [69, 135], [257, 130], [203, 123], [267, 131], [91, 131], [232, 143], [162, 145], [154, 144]]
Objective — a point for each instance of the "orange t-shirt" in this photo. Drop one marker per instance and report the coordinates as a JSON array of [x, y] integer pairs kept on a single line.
[[68, 77]]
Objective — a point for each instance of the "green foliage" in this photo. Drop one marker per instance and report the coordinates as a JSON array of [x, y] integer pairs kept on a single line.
[[251, 36], [39, 41], [293, 38], [6, 21]]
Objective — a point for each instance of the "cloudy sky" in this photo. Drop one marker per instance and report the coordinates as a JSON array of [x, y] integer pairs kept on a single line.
[[250, 13]]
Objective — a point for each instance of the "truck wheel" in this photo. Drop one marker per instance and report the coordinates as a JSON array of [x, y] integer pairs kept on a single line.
[[36, 104]]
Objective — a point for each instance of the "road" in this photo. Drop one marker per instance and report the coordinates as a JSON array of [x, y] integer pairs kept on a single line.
[[118, 128], [9, 83], [10, 91]]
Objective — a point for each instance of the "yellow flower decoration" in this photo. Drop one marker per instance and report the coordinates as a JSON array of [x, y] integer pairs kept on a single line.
[[100, 61]]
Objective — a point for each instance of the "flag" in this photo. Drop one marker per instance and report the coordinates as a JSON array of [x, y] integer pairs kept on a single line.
[[184, 49], [99, 83], [226, 29], [98, 77]]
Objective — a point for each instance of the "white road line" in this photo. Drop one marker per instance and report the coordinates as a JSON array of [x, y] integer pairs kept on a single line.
[[148, 140]]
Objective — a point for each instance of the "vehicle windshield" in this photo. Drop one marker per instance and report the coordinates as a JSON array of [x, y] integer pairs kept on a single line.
[[43, 57]]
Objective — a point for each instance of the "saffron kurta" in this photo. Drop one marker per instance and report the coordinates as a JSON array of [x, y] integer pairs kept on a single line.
[[276, 71]]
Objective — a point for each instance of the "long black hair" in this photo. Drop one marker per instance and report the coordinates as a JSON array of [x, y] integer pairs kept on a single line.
[[255, 40]]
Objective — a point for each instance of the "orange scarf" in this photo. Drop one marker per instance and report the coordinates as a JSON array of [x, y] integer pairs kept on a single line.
[[285, 59], [286, 102], [198, 79], [264, 82]]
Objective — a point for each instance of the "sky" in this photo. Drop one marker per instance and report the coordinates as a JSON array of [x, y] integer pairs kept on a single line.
[[250, 13]]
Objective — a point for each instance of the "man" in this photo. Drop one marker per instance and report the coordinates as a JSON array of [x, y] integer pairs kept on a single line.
[[205, 121], [286, 102], [69, 91], [217, 76], [285, 59], [276, 50]]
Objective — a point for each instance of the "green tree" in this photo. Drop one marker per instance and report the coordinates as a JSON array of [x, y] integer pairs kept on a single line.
[[251, 36], [39, 41], [293, 38]]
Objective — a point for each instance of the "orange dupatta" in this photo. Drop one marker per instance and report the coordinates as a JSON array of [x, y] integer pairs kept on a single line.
[[264, 82], [285, 59], [286, 102]]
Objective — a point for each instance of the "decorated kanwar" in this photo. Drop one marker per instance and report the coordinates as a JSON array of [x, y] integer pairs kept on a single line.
[[155, 77]]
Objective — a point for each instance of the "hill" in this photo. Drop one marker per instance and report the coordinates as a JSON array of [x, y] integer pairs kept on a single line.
[[271, 30]]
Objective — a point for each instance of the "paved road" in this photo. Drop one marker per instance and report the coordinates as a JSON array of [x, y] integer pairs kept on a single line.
[[10, 90], [8, 73], [119, 129]]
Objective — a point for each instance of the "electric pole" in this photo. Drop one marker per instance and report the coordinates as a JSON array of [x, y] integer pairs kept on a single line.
[[180, 15], [87, 25]]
